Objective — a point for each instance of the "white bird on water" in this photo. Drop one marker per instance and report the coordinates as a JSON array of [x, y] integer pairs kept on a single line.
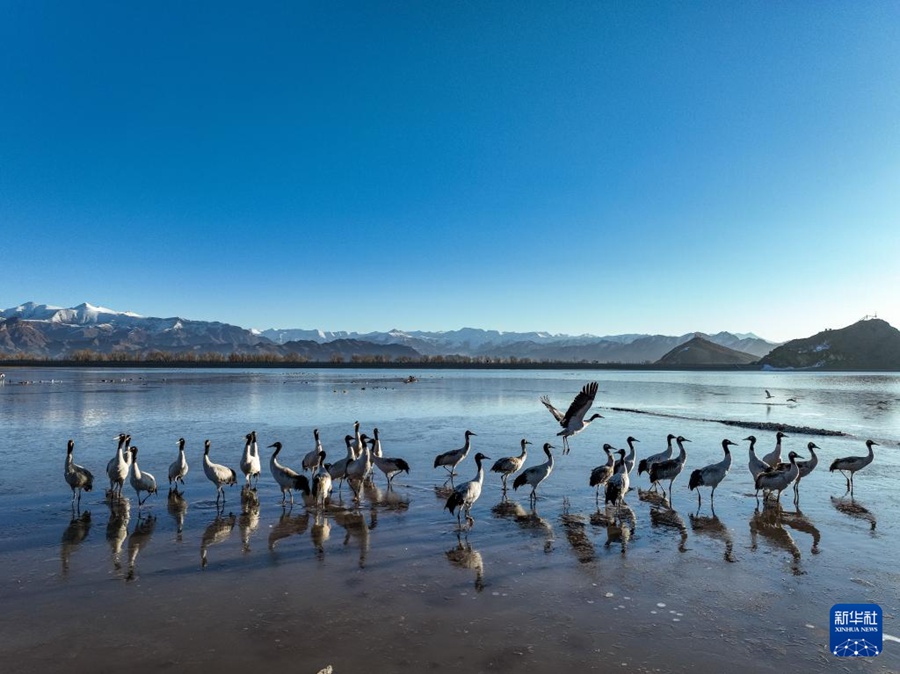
[[321, 482], [669, 470], [755, 464], [311, 459], [390, 466], [806, 467], [250, 463], [179, 467], [338, 469], [536, 474], [450, 460], [218, 474], [617, 486], [629, 458], [140, 480], [644, 464], [573, 421], [117, 468], [77, 477], [851, 464], [464, 495], [773, 458], [287, 478], [510, 464], [713, 474]]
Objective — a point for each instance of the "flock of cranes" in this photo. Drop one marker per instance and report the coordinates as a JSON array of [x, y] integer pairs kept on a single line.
[[770, 474]]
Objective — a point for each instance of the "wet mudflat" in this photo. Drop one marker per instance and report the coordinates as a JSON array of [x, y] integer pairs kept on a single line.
[[389, 583]]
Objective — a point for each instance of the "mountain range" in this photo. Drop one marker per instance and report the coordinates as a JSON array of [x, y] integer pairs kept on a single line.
[[46, 331]]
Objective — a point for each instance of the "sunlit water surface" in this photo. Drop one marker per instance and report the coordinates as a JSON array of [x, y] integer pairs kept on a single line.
[[389, 584]]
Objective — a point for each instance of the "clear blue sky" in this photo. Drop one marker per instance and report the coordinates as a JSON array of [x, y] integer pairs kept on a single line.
[[573, 167]]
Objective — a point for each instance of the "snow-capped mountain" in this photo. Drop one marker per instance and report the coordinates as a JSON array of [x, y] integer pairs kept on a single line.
[[55, 332]]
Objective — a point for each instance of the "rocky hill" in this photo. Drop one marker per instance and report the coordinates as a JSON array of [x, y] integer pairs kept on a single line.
[[700, 351], [871, 344]]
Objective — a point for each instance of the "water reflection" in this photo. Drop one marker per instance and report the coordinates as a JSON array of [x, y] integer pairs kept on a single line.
[[72, 537], [529, 520], [767, 524], [177, 506], [463, 556], [215, 533], [248, 522], [354, 522], [713, 527], [799, 522], [574, 527], [288, 525], [667, 518], [654, 498], [389, 499], [320, 533], [117, 528], [849, 506], [138, 540]]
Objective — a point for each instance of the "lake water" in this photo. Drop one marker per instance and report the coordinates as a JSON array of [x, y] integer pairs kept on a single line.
[[390, 584]]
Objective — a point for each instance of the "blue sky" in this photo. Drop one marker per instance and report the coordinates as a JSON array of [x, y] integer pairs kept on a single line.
[[601, 167]]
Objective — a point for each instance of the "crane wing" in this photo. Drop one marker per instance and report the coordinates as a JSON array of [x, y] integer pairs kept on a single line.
[[555, 412], [581, 404]]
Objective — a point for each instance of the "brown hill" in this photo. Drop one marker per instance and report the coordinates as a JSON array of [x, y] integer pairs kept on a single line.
[[700, 351]]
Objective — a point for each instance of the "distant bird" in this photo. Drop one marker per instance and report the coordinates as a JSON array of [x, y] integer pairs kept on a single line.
[[287, 478], [669, 470], [601, 474], [464, 495], [117, 468], [510, 464], [713, 474], [389, 466], [250, 464], [573, 421], [311, 459], [756, 465], [644, 464], [450, 460], [791, 400], [773, 458], [77, 477], [851, 464], [218, 474], [778, 480], [536, 474], [617, 485], [629, 459], [140, 480], [768, 395], [179, 467], [321, 482]]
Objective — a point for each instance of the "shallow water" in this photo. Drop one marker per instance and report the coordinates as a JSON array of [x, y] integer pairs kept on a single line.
[[390, 584]]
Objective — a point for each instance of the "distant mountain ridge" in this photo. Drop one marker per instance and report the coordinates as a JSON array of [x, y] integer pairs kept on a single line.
[[699, 351], [869, 344], [46, 331]]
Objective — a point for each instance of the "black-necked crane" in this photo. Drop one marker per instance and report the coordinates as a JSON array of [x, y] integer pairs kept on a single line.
[[321, 482], [806, 467], [629, 458], [117, 467], [311, 459], [536, 474], [713, 474], [450, 460], [574, 421], [179, 467], [250, 463], [644, 464], [218, 474], [77, 477], [358, 468], [669, 470], [510, 464], [140, 480], [755, 464], [390, 466], [601, 474], [464, 495], [773, 458], [288, 479], [338, 469], [617, 485], [778, 480], [851, 464]]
